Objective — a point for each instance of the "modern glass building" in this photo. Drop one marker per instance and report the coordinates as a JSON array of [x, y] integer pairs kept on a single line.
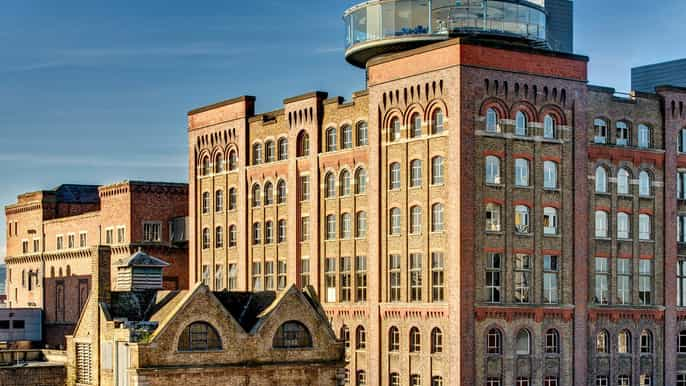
[[646, 78]]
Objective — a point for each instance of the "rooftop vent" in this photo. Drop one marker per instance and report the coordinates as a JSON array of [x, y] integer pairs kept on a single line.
[[140, 272]]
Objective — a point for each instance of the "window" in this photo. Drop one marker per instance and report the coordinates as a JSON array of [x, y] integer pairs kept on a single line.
[[415, 220], [681, 349], [493, 382], [624, 342], [151, 232], [522, 278], [643, 136], [645, 380], [681, 228], [199, 336], [600, 129], [548, 127], [362, 134], [437, 278], [549, 221], [331, 139], [233, 236], [233, 160], [415, 173], [281, 192], [268, 193], [360, 181], [83, 238], [521, 381], [206, 170], [437, 171], [281, 271], [271, 151], [218, 277], [256, 233], [283, 149], [361, 278], [84, 372], [256, 154], [394, 278], [602, 273], [415, 340], [219, 237], [623, 181], [550, 279], [415, 277], [361, 378], [415, 380], [394, 379], [281, 237], [623, 225], [601, 230], [305, 271], [682, 141], [437, 122], [494, 342], [25, 246], [644, 184], [330, 185], [550, 175], [600, 180], [623, 137], [646, 342], [219, 201], [644, 227], [521, 219], [219, 163], [256, 201], [304, 188], [394, 339], [304, 228], [394, 134], [681, 283], [330, 279], [205, 202], [523, 343], [345, 183], [206, 238], [395, 221], [71, 238], [493, 277], [552, 342], [361, 225], [436, 380], [394, 176], [602, 381], [623, 281], [256, 276], [268, 232], [330, 227], [550, 381], [602, 342], [492, 217], [521, 172], [492, 123], [436, 341], [232, 199], [437, 217], [346, 278], [520, 124], [645, 278], [292, 335], [492, 170], [347, 137], [416, 126]]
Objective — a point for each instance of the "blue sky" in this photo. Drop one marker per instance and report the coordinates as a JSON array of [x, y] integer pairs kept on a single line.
[[96, 91]]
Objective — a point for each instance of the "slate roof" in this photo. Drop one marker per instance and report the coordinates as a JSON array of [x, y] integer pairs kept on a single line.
[[246, 307], [141, 259]]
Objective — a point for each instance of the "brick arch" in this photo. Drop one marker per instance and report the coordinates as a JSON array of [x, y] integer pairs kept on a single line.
[[203, 153], [390, 115], [432, 106], [527, 108], [414, 108], [555, 111], [496, 104]]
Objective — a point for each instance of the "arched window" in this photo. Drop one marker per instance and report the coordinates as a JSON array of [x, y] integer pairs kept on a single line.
[[415, 173], [415, 220], [646, 342], [437, 380], [600, 180], [643, 136], [492, 123], [292, 334], [550, 221], [550, 175], [233, 160], [600, 129], [602, 342], [416, 125], [206, 202], [256, 196], [345, 337], [206, 238], [330, 185], [521, 172], [552, 342], [345, 183], [232, 199], [361, 378], [219, 200], [303, 144], [256, 154], [394, 176], [624, 342], [623, 225], [436, 341], [394, 134], [283, 149], [394, 379], [205, 171], [219, 163], [199, 336], [362, 134], [644, 183], [346, 137], [233, 236], [268, 232], [523, 342], [521, 219], [393, 339], [415, 340], [437, 218], [361, 225], [644, 232], [346, 226], [360, 339], [361, 181], [520, 124], [492, 170], [437, 122], [395, 221], [437, 171], [601, 228], [268, 193], [281, 192], [494, 342], [270, 148], [548, 127], [623, 136], [622, 181], [492, 217], [219, 237], [331, 139]]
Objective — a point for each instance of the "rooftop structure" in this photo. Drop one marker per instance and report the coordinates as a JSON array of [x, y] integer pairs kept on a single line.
[[647, 78]]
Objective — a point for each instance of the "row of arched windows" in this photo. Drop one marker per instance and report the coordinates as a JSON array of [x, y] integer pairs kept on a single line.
[[623, 135], [523, 344], [415, 220], [415, 126], [522, 174], [415, 174], [521, 128], [435, 345], [522, 219], [346, 137], [623, 181], [273, 151], [624, 342], [219, 201], [219, 237], [219, 164], [202, 336], [623, 225], [346, 227], [345, 183], [257, 199], [281, 232]]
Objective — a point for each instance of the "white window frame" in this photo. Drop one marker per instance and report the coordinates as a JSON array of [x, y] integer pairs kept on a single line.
[[492, 170], [521, 172], [159, 233], [550, 221], [550, 175]]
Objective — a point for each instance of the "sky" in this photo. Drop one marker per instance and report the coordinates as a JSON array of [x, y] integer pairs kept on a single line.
[[96, 91]]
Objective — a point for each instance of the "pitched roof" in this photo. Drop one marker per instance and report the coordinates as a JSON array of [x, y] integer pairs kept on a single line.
[[246, 307], [141, 259]]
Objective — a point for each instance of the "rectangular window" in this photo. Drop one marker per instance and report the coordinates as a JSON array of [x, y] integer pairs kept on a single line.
[[121, 235], [281, 273], [623, 380], [645, 281], [681, 380], [602, 273], [218, 277], [152, 231], [521, 172], [257, 276], [522, 278], [109, 236], [681, 185], [304, 229], [394, 278], [206, 275], [233, 276], [330, 279], [25, 246], [437, 278], [304, 188], [493, 276], [346, 278], [681, 283], [645, 380], [71, 241], [601, 381], [60, 242], [83, 240], [269, 275], [492, 217], [305, 271], [550, 272], [36, 245], [361, 278], [415, 277], [681, 228], [623, 281]]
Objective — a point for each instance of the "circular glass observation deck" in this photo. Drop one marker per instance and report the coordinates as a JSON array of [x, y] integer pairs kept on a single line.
[[385, 26]]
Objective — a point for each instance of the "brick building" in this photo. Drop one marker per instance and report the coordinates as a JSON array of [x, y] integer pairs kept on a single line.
[[48, 233], [479, 215]]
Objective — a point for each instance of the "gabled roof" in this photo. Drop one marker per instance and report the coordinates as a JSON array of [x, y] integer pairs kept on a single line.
[[246, 307], [141, 259]]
